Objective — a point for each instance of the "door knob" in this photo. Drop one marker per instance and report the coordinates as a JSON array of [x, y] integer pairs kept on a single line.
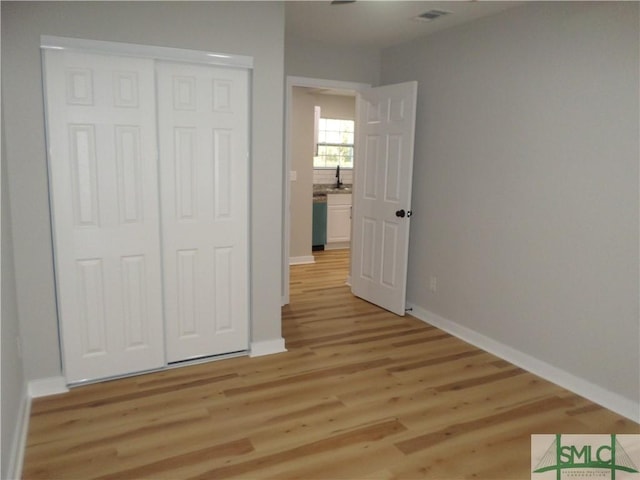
[[400, 213]]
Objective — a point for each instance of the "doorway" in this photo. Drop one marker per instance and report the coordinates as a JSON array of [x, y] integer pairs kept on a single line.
[[318, 87]]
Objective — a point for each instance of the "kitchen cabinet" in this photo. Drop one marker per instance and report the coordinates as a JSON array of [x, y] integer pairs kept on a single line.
[[338, 220]]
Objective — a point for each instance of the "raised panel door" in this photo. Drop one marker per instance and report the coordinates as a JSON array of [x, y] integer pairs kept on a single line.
[[384, 155], [203, 138], [104, 200]]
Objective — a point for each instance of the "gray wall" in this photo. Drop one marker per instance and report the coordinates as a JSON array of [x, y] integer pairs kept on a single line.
[[246, 28], [301, 138], [336, 106], [13, 386], [306, 58], [526, 183]]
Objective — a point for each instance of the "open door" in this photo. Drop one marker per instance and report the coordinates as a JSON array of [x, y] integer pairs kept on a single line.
[[382, 194]]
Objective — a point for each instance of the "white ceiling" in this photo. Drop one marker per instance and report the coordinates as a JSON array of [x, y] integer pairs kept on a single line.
[[379, 23]]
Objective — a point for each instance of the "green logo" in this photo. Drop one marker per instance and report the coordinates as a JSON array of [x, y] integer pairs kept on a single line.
[[607, 455]]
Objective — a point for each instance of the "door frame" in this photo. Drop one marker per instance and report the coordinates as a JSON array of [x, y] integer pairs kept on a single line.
[[294, 81], [147, 51]]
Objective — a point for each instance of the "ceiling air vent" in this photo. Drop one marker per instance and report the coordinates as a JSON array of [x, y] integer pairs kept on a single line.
[[431, 15]]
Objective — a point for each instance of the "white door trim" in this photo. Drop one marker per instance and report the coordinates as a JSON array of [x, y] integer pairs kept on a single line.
[[146, 51], [294, 81]]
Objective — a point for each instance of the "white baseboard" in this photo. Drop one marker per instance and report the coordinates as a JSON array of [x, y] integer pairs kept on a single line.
[[16, 458], [612, 401], [34, 389], [337, 246], [302, 260], [47, 386], [267, 347]]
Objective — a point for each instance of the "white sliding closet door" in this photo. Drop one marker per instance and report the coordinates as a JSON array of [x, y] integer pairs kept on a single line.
[[101, 125], [203, 138]]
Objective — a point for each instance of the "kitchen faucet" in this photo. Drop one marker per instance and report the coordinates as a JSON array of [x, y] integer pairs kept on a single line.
[[338, 182]]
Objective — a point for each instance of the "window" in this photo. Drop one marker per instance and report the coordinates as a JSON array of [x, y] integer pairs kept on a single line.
[[335, 144]]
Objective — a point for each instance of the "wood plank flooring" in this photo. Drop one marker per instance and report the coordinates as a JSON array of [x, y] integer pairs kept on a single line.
[[361, 393]]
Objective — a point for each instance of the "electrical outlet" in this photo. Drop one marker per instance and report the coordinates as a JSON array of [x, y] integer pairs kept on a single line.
[[433, 284], [18, 347]]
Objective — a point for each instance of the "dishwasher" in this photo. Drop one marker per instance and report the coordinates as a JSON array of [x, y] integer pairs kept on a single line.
[[319, 229]]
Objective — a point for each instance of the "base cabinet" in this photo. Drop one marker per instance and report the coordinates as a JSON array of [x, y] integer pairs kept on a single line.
[[338, 218]]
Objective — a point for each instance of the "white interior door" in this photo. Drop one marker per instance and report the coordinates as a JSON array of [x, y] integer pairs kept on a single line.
[[203, 132], [104, 198], [382, 194]]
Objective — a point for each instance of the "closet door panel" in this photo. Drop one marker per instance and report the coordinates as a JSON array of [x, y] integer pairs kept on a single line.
[[203, 138], [101, 127]]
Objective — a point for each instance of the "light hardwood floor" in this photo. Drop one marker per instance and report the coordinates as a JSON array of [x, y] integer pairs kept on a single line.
[[361, 393]]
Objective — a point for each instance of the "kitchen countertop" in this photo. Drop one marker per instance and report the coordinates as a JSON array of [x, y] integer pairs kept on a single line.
[[320, 191]]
